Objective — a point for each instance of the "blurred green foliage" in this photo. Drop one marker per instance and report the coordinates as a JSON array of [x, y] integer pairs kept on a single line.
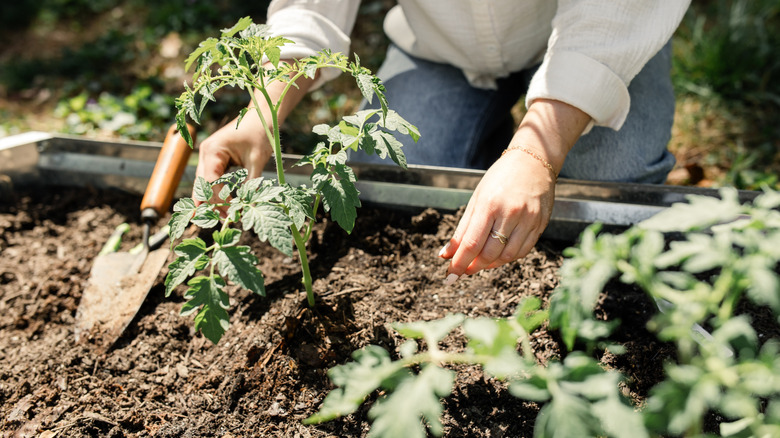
[[730, 48], [143, 114]]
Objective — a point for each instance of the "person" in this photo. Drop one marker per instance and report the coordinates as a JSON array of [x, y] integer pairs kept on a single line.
[[598, 93]]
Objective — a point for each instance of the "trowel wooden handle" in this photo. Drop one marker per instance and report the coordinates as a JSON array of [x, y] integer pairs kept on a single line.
[[167, 172]]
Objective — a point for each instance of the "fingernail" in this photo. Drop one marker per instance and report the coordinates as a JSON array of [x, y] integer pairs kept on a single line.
[[452, 278], [443, 249]]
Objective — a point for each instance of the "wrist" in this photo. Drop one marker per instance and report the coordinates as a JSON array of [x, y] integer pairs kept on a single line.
[[550, 129]]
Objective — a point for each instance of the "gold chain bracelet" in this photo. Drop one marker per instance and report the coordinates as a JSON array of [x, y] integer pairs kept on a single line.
[[538, 158]]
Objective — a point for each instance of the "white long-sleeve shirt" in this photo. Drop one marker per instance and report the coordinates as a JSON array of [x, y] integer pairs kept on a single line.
[[589, 50]]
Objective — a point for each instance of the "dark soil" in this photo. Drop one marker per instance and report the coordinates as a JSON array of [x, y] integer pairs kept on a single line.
[[269, 371]]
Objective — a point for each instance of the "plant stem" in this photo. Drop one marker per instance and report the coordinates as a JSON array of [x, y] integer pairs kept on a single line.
[[300, 244]]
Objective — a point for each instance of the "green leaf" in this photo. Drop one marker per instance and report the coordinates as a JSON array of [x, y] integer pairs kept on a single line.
[[242, 24], [227, 237], [497, 340], [619, 419], [385, 144], [355, 381], [764, 286], [205, 216], [529, 315], [201, 190], [365, 83], [271, 224], [192, 257], [340, 197], [238, 264], [184, 209], [567, 416], [699, 213], [349, 135], [395, 416], [206, 46], [298, 201], [207, 294], [394, 122], [181, 126], [533, 388], [241, 115], [432, 331]]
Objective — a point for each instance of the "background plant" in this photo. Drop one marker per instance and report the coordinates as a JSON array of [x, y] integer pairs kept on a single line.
[[724, 253], [277, 212]]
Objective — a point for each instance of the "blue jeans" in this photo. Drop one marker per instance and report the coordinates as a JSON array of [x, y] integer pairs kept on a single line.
[[467, 127]]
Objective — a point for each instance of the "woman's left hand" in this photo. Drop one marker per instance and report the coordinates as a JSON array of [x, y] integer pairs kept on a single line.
[[512, 204], [505, 216]]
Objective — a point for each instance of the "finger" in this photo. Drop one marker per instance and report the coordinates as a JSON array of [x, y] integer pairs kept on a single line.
[[506, 251], [521, 245], [212, 164], [471, 244], [449, 249]]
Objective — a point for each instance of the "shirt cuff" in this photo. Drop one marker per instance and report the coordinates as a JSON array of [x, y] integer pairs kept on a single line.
[[584, 83], [311, 32]]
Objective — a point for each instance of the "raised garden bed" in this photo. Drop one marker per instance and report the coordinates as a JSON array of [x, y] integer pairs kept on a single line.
[[269, 371]]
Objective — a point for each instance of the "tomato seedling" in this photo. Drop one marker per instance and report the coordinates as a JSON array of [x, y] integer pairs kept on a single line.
[[248, 56]]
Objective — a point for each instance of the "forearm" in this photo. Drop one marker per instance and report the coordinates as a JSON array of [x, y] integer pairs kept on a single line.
[[273, 93], [550, 128]]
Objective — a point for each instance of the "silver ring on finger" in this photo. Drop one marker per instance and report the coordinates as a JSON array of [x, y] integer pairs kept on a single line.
[[500, 237]]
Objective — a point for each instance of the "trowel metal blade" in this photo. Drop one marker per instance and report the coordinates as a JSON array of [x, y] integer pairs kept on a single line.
[[114, 294]]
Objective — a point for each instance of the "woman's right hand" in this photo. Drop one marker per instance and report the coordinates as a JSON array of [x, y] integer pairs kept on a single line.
[[246, 146]]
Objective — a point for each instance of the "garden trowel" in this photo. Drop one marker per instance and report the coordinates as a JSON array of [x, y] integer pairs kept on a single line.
[[120, 281]]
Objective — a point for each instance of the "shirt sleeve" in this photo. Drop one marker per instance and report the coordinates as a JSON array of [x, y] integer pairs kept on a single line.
[[313, 25], [597, 47]]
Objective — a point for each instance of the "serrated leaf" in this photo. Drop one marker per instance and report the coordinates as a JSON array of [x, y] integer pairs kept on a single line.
[[241, 115], [355, 381], [207, 294], [183, 211], [310, 70], [271, 224], [340, 198], [206, 46], [299, 203], [488, 336], [227, 237], [349, 135], [205, 216], [764, 286], [529, 314], [394, 122], [201, 190], [247, 190], [432, 331], [181, 126], [566, 416], [192, 258], [366, 85], [699, 213], [395, 416], [238, 265], [321, 129], [386, 145], [243, 23], [495, 340]]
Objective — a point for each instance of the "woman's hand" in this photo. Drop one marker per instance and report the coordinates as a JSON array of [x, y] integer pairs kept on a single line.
[[512, 204]]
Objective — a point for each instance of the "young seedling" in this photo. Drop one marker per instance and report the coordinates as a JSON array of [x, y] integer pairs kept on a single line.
[[248, 57]]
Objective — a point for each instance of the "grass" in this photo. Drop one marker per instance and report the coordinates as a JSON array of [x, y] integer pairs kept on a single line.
[[75, 65]]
